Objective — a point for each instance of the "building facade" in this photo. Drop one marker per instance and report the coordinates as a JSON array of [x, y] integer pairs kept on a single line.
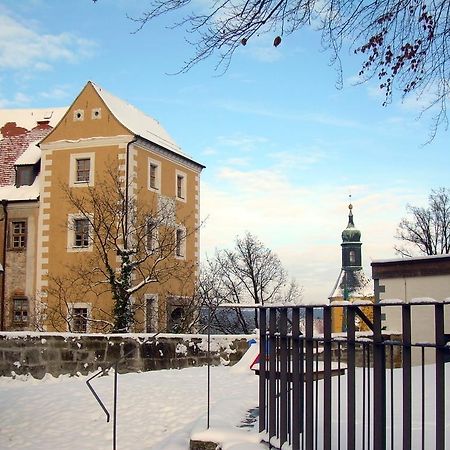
[[408, 280], [117, 200], [352, 284]]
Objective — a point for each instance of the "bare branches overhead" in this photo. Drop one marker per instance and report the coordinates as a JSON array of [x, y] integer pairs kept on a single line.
[[404, 43]]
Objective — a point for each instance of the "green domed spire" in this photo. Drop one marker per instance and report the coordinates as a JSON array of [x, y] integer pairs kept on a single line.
[[351, 234]]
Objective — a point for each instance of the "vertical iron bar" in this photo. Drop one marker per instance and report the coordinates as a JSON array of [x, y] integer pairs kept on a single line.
[[302, 381], [272, 372], [297, 384], [379, 382], [363, 437], [339, 396], [392, 397], [208, 351], [406, 376], [316, 395], [283, 377], [115, 406], [423, 397], [327, 399], [369, 398], [440, 375], [351, 402], [262, 369], [309, 431]]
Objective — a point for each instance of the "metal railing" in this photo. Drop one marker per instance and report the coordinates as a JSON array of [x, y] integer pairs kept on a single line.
[[370, 390]]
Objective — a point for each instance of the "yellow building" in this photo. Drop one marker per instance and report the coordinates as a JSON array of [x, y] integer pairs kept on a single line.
[[118, 214], [352, 284]]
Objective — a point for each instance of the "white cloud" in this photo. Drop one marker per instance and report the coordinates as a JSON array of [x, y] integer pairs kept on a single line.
[[242, 142], [19, 99], [21, 47], [301, 224], [57, 93]]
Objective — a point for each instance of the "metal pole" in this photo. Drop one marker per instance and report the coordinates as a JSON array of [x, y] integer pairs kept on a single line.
[[115, 408], [209, 366]]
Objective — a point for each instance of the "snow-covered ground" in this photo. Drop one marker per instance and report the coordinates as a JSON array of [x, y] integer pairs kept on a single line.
[[156, 410], [162, 410]]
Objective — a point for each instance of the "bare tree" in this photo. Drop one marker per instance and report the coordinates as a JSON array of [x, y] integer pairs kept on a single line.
[[426, 230], [250, 273], [134, 245], [404, 42]]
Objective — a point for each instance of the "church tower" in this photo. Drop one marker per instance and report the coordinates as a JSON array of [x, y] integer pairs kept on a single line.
[[352, 283]]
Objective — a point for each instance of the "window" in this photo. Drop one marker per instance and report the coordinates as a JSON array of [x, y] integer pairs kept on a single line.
[[154, 175], [20, 312], [180, 243], [24, 175], [83, 170], [352, 257], [180, 185], [81, 232], [96, 113], [151, 313], [18, 234], [79, 320], [78, 115], [151, 235]]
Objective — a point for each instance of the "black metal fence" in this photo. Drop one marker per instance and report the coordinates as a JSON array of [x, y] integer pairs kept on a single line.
[[354, 390]]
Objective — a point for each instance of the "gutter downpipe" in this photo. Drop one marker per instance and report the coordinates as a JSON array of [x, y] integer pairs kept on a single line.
[[5, 228], [127, 176]]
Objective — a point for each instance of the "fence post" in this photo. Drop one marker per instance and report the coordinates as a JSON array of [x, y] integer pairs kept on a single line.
[[351, 362], [406, 375], [283, 377], [262, 368], [379, 382], [309, 428], [297, 382], [440, 375], [327, 401]]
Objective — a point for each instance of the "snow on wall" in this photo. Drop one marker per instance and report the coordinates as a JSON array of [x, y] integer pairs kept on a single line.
[[37, 354]]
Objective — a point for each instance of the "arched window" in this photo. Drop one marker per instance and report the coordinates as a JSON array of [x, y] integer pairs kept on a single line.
[[352, 257]]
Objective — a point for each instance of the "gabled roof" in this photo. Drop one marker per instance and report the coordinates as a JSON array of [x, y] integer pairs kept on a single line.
[[136, 121]]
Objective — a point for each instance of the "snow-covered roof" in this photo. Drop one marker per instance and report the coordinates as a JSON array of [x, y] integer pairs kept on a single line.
[[13, 193], [406, 259], [137, 122], [28, 118], [30, 156], [357, 284]]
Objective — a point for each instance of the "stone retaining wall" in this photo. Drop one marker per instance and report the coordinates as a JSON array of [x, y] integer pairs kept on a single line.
[[67, 353]]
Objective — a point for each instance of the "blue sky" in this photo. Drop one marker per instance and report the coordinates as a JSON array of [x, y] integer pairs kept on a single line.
[[283, 147]]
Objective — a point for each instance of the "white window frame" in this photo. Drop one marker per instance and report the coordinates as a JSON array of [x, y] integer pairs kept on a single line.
[[183, 175], [96, 113], [182, 254], [154, 235], [71, 247], [78, 115], [70, 318], [157, 164], [74, 157], [155, 308]]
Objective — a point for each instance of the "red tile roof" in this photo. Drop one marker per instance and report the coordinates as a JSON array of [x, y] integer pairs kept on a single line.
[[15, 141]]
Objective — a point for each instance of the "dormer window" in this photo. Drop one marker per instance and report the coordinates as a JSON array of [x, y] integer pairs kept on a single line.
[[24, 175]]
